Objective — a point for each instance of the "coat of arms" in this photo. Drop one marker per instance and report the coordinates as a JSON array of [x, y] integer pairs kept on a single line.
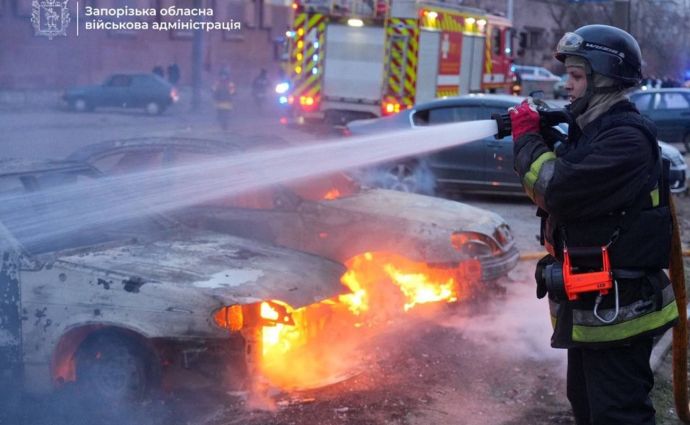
[[50, 17]]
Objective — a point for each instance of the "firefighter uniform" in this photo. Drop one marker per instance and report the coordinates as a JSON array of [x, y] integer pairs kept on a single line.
[[605, 187]]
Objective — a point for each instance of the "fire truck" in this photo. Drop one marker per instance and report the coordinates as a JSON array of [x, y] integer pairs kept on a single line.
[[353, 59]]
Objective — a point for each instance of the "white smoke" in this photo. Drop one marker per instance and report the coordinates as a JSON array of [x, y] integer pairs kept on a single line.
[[516, 324]]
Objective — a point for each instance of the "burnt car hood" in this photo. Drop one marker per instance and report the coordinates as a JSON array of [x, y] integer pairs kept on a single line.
[[388, 205], [230, 269], [417, 227]]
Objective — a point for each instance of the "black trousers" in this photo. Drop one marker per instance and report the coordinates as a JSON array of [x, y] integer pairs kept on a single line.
[[611, 386]]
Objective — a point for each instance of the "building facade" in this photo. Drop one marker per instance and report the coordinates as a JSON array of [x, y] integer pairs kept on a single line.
[[28, 61]]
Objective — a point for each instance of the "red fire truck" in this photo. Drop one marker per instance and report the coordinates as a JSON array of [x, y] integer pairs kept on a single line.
[[352, 59]]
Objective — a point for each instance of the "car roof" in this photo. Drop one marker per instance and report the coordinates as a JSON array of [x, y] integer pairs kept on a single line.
[[198, 145], [663, 90], [470, 99], [14, 166]]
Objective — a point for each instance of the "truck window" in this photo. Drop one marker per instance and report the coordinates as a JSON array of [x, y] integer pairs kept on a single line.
[[496, 41]]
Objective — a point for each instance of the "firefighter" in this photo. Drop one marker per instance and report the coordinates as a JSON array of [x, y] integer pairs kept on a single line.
[[223, 93], [603, 188]]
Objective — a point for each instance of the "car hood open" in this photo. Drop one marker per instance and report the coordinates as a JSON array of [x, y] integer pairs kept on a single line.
[[230, 269]]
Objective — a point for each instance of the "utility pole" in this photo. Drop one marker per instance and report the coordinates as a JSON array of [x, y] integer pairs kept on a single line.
[[509, 10], [197, 59], [621, 14]]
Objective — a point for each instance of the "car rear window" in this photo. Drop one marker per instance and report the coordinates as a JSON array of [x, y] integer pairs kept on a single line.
[[671, 101], [454, 114], [642, 101], [120, 81]]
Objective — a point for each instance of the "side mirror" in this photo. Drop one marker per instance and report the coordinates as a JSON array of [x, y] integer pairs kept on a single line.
[[537, 94]]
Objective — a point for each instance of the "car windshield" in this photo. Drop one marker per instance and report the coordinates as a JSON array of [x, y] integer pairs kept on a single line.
[[50, 211]]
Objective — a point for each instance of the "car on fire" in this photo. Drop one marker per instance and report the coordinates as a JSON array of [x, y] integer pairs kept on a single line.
[[482, 166], [331, 216], [115, 306], [147, 91]]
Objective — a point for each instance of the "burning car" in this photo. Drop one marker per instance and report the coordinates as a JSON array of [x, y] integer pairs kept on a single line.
[[117, 305], [330, 216]]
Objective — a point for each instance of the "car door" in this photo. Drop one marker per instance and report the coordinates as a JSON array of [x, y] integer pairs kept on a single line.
[[669, 111], [461, 166], [116, 91], [499, 158], [142, 90]]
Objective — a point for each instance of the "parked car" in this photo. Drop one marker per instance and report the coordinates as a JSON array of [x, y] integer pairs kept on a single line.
[[670, 111], [482, 166], [535, 78], [330, 216], [559, 91], [117, 306], [147, 91]]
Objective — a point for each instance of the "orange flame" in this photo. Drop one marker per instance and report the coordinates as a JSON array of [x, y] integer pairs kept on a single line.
[[321, 341], [332, 194]]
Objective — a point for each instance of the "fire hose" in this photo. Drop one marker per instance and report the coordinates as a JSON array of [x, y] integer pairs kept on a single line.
[[680, 331]]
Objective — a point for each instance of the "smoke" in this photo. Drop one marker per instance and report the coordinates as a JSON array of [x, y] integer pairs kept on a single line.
[[515, 324], [405, 176]]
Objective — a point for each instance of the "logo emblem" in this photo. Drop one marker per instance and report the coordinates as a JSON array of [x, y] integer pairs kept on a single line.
[[50, 17]]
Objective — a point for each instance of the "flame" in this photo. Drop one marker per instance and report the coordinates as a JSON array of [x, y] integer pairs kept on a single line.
[[418, 289], [317, 344], [332, 194]]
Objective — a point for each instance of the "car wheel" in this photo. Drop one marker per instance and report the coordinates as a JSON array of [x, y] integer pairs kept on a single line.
[[410, 177], [113, 367], [81, 105], [153, 108]]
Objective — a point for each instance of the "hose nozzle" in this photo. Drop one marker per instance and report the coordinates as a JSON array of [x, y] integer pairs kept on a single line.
[[503, 124], [548, 117]]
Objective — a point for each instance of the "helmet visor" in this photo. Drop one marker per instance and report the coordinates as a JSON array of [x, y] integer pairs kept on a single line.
[[569, 43]]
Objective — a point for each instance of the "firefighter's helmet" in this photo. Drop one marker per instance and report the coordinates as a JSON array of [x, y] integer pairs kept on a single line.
[[610, 51]]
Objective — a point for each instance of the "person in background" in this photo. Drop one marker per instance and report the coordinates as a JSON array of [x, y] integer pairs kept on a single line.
[[259, 88], [173, 74], [158, 70]]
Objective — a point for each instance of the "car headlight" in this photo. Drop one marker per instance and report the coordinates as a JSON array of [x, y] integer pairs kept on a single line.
[[475, 245], [282, 88], [676, 160], [230, 318]]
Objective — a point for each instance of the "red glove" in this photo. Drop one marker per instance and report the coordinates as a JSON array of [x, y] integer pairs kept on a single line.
[[524, 119]]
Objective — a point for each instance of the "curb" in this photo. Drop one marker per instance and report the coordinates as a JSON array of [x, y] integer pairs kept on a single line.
[[661, 349], [663, 346]]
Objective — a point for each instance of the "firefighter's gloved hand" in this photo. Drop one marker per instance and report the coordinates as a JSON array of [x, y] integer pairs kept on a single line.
[[553, 138], [524, 118]]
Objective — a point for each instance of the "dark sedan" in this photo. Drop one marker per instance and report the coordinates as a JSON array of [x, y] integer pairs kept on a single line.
[[147, 91], [670, 111], [482, 166]]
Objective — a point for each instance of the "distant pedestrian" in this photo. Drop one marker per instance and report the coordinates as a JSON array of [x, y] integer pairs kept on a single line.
[[173, 73], [260, 87], [158, 70]]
